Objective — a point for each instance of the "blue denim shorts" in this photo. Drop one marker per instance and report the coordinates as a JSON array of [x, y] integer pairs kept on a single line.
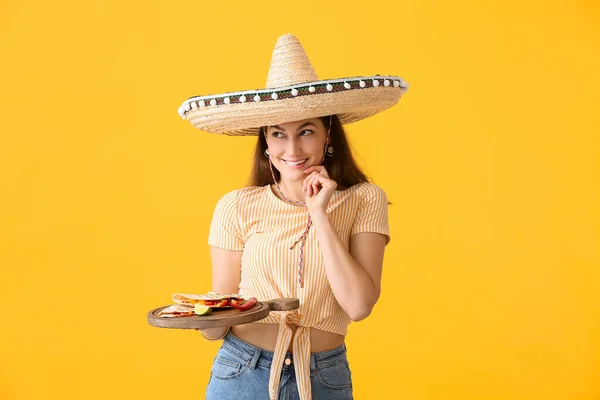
[[240, 371]]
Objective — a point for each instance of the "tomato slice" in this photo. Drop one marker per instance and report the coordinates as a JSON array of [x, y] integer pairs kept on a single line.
[[244, 305], [216, 303]]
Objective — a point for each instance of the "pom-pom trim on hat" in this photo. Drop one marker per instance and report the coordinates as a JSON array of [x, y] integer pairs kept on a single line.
[[304, 89]]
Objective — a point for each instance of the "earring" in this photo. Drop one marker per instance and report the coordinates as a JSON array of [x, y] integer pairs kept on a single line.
[[330, 151], [267, 153]]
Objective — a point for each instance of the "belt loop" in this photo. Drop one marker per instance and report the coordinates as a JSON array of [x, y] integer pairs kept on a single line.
[[252, 363], [313, 365]]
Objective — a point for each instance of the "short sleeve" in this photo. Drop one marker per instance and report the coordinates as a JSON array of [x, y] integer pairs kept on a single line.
[[225, 228], [372, 215]]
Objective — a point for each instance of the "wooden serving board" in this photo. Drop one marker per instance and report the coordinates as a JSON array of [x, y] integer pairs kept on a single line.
[[223, 316]]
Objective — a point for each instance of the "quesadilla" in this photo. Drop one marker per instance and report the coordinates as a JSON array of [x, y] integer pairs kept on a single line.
[[211, 299], [176, 310]]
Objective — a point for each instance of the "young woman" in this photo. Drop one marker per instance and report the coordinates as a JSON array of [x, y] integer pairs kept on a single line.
[[308, 226]]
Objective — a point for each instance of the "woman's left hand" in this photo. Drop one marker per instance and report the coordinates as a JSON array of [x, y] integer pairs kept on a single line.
[[318, 188]]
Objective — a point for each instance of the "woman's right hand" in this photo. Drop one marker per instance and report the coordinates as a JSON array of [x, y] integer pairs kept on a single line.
[[213, 333]]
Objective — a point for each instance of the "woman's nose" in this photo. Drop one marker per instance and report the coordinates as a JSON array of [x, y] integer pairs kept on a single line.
[[293, 147]]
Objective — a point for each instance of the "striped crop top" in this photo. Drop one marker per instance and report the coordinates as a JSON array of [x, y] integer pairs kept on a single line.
[[255, 221]]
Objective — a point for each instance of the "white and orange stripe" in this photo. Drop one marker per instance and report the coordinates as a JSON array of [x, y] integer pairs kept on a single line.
[[255, 221]]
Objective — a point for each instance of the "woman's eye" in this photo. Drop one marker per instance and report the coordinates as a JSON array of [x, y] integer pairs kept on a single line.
[[306, 132], [277, 134]]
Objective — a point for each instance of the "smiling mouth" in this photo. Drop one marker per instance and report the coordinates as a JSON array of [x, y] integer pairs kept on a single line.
[[295, 163]]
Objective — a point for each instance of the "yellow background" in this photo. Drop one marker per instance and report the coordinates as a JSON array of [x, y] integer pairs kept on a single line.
[[491, 287]]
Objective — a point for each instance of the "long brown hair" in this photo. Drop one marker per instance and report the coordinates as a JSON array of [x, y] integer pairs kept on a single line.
[[341, 167]]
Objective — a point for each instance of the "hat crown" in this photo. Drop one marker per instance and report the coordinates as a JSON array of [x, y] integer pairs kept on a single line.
[[289, 64]]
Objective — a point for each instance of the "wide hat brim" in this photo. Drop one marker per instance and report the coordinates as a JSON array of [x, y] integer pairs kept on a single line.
[[243, 113]]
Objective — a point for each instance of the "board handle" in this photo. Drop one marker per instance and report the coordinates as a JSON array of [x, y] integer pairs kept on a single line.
[[283, 304]]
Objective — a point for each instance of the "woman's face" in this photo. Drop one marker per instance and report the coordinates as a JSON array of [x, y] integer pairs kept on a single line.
[[295, 146]]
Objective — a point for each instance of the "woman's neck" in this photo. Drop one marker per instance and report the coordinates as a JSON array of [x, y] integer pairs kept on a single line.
[[292, 190]]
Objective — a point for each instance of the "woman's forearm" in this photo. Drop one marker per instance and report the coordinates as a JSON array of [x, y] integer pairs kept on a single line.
[[351, 285]]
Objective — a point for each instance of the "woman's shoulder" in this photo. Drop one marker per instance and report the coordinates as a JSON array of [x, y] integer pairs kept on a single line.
[[367, 189], [252, 193], [244, 194]]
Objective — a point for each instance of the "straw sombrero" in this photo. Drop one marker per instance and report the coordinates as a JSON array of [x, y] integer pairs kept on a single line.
[[293, 92]]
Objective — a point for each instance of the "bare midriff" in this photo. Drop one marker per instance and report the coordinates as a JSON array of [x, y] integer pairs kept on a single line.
[[265, 336]]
